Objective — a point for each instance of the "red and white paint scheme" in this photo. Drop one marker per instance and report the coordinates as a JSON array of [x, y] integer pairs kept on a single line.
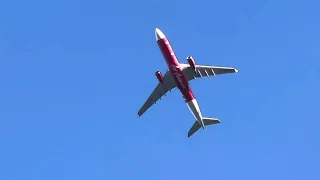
[[178, 76]]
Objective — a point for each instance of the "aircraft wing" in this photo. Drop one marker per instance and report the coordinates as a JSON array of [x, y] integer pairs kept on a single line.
[[205, 71], [158, 92]]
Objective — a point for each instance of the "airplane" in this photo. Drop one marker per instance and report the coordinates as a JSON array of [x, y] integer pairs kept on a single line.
[[178, 76]]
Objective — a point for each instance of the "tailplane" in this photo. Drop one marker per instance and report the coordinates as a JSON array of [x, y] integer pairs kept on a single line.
[[206, 121]]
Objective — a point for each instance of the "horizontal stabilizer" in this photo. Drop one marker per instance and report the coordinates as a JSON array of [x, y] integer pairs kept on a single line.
[[207, 121]]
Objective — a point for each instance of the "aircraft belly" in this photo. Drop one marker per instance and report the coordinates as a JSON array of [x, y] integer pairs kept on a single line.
[[174, 68], [183, 86]]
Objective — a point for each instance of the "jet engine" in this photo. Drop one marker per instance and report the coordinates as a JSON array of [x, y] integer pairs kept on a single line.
[[159, 77], [191, 62]]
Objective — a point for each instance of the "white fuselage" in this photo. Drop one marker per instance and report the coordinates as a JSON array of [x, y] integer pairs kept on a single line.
[[195, 110]]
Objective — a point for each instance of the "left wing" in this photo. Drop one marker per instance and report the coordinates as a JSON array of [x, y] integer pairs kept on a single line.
[[205, 71], [158, 92]]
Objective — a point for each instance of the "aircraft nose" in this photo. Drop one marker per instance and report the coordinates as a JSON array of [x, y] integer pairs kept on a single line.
[[159, 34]]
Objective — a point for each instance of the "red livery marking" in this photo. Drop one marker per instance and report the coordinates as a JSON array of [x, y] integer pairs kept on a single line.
[[174, 68], [178, 75]]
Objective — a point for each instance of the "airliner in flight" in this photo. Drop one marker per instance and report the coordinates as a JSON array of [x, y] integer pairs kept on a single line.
[[178, 76]]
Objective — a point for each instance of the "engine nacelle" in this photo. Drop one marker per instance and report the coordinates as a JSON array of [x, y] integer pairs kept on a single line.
[[159, 77], [191, 62]]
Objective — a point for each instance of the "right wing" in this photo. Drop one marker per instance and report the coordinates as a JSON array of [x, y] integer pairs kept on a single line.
[[205, 71], [158, 92]]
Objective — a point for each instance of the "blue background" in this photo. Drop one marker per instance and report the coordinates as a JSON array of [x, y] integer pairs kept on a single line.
[[74, 73]]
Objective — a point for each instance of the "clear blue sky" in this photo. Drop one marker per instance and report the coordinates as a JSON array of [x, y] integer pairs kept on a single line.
[[73, 75]]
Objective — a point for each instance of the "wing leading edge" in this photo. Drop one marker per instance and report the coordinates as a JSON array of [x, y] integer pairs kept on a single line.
[[158, 92], [205, 71]]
